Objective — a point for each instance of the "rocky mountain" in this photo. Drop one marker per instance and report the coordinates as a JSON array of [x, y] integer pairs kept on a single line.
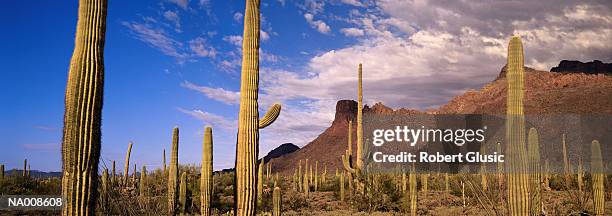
[[545, 92], [281, 150], [594, 67]]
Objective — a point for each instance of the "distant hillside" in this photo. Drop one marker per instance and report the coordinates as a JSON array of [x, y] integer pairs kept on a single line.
[[545, 92], [34, 173], [594, 67]]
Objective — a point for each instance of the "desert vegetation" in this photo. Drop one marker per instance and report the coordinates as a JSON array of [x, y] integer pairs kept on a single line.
[[523, 186]]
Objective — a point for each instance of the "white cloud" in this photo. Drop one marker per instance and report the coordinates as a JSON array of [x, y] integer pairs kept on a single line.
[[238, 17], [264, 35], [211, 119], [352, 32], [319, 25], [157, 39], [199, 47], [218, 94], [181, 3], [353, 2], [235, 40], [174, 18]]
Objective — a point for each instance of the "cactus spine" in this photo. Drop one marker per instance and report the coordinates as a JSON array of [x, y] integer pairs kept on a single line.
[[597, 173], [206, 178], [535, 190], [517, 177], [276, 201], [173, 173], [83, 111], [183, 193], [247, 148], [126, 171]]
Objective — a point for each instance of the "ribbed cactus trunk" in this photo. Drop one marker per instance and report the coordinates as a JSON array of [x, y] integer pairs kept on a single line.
[[25, 167], [183, 193], [299, 176], [306, 187], [83, 111], [1, 172], [247, 148], [143, 183], [276, 202], [104, 191], [126, 170], [342, 186], [206, 178], [535, 191], [567, 169], [360, 146], [413, 191], [316, 176], [260, 180], [173, 176], [597, 173], [516, 152], [164, 163]]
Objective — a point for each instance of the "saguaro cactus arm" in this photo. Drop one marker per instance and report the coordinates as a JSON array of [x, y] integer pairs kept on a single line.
[[270, 116]]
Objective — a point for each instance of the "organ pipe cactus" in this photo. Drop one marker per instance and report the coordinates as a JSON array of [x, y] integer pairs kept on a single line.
[[597, 173], [126, 171], [517, 177], [535, 191], [247, 148], [173, 173], [81, 136], [276, 202], [206, 178], [183, 193]]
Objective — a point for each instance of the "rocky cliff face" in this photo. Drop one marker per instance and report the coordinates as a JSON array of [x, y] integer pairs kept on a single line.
[[545, 92], [594, 67]]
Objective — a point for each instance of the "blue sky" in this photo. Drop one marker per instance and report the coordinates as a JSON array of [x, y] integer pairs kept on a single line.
[[177, 63]]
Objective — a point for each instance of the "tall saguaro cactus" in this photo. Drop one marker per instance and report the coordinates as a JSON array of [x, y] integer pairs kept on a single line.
[[173, 173], [597, 173], [126, 170], [535, 172], [25, 167], [355, 169], [183, 193], [164, 162], [83, 111], [247, 148], [276, 202], [206, 178], [1, 172], [143, 182], [518, 176]]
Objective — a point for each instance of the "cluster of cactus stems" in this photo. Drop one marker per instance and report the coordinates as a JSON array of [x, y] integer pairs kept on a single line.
[[247, 148], [183, 193], [516, 164], [173, 173], [535, 190], [83, 111], [597, 174], [206, 178], [126, 170], [276, 201]]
